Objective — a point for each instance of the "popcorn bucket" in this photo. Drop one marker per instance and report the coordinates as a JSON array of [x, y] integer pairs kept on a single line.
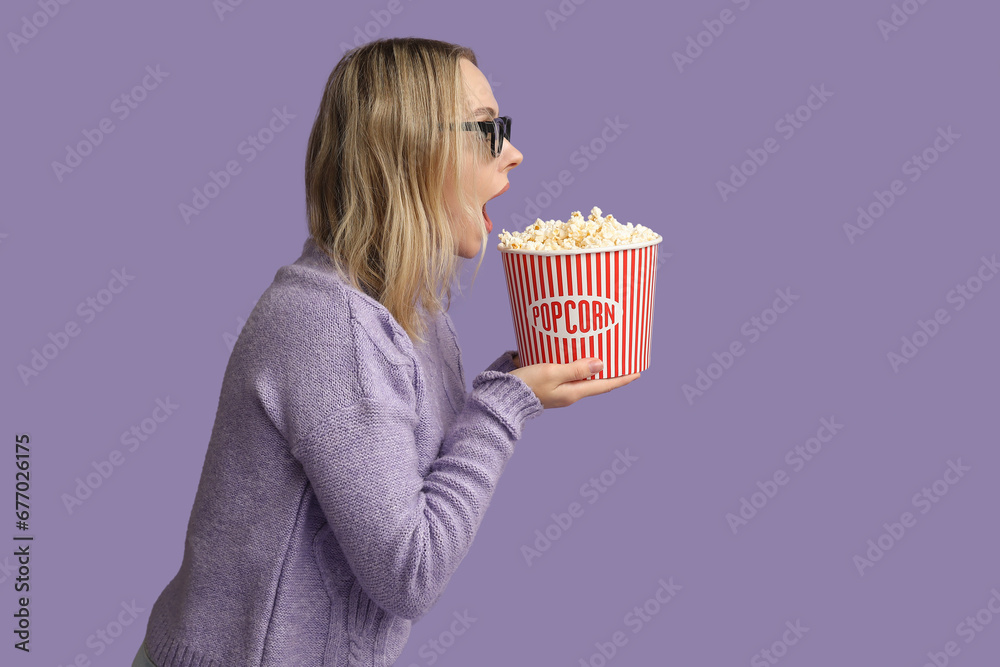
[[572, 304]]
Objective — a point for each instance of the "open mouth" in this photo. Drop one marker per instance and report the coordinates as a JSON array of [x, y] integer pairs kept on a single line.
[[486, 217]]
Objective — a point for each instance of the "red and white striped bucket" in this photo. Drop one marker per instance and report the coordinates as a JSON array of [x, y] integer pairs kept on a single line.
[[573, 304]]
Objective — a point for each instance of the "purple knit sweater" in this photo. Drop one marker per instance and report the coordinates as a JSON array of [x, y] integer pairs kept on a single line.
[[346, 476]]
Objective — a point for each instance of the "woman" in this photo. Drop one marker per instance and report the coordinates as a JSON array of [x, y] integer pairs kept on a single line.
[[348, 468]]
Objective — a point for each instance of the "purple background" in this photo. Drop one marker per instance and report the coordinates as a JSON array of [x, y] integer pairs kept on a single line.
[[169, 332]]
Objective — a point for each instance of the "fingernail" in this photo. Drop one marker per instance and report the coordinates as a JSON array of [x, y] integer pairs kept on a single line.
[[596, 366]]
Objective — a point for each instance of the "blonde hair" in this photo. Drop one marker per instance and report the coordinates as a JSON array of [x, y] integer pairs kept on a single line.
[[380, 151]]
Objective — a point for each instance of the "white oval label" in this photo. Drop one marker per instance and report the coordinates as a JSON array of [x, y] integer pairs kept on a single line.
[[574, 316]]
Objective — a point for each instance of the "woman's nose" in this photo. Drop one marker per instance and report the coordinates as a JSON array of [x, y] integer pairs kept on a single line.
[[512, 157]]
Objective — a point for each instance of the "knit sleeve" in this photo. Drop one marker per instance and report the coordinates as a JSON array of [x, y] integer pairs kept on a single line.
[[504, 363], [402, 534]]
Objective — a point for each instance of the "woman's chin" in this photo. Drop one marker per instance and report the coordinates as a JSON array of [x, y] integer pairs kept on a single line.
[[469, 248]]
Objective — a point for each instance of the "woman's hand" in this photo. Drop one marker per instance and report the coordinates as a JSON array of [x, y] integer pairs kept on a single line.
[[559, 385]]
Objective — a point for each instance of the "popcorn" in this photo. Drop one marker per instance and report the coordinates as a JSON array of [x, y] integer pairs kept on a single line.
[[576, 234]]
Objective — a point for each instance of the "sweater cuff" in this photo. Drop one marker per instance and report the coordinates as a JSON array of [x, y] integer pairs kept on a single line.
[[507, 398], [504, 363]]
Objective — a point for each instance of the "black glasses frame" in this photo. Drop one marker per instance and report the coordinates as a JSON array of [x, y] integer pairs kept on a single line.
[[497, 129]]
